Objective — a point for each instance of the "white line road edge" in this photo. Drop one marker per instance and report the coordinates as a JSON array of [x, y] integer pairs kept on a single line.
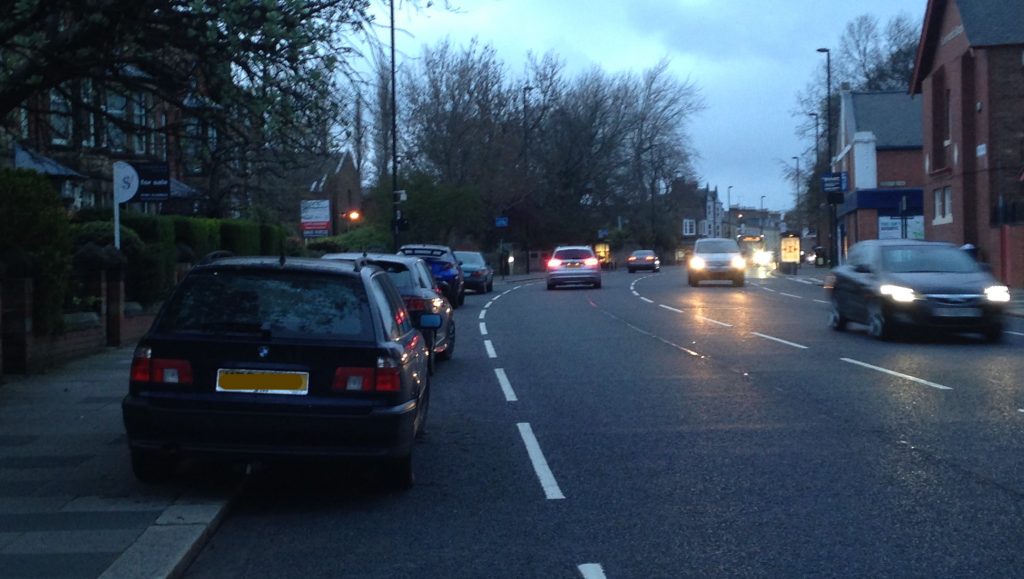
[[483, 314], [714, 321], [506, 386], [592, 571], [648, 300], [483, 329], [490, 349], [670, 308], [779, 340], [897, 374], [540, 466], [791, 295]]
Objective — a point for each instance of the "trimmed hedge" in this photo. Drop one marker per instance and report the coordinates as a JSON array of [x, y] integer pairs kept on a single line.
[[199, 236], [271, 239], [35, 242], [240, 237]]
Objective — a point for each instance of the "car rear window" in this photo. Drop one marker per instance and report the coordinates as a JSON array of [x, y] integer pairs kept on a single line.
[[470, 258], [717, 246], [283, 304], [398, 273], [573, 254]]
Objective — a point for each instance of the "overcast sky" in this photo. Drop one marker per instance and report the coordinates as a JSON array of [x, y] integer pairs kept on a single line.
[[749, 58]]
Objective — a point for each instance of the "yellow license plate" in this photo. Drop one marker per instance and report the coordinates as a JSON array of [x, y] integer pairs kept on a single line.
[[262, 381]]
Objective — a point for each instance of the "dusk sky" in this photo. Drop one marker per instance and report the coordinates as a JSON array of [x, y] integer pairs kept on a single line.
[[749, 60]]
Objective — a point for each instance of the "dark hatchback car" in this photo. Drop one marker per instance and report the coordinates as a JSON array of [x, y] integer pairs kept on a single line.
[[896, 284], [421, 294], [445, 267], [478, 273], [643, 259], [251, 358]]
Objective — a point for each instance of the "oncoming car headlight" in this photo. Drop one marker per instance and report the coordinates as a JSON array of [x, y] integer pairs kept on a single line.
[[738, 262], [898, 293], [762, 257], [997, 293], [697, 263]]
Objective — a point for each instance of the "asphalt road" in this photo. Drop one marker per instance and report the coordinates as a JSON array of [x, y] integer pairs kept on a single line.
[[650, 429]]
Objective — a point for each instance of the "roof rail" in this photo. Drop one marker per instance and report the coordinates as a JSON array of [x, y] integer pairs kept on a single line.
[[215, 255]]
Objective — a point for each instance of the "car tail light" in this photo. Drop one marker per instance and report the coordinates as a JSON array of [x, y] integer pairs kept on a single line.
[[146, 368], [415, 304], [386, 377], [554, 263], [590, 261]]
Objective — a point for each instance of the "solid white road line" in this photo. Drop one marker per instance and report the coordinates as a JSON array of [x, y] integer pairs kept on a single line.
[[779, 340], [897, 374], [1013, 333], [506, 386], [490, 349], [540, 466], [714, 321], [483, 313], [803, 281], [821, 302], [670, 308], [791, 295], [483, 329], [650, 301], [768, 289], [592, 571]]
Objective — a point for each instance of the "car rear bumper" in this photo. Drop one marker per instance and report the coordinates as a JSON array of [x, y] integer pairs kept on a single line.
[[256, 432], [573, 276]]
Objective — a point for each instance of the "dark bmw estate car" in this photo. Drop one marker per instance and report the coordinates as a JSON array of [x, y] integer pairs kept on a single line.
[[894, 284], [261, 358]]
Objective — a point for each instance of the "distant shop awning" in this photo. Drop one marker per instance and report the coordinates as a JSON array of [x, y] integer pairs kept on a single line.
[[28, 159]]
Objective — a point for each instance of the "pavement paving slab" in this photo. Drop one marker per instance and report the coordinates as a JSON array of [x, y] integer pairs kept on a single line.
[[69, 503]]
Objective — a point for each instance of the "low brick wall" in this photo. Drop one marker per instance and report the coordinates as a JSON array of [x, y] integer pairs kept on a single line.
[[84, 334]]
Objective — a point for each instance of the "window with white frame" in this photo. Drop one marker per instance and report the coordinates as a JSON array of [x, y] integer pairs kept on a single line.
[[116, 108], [142, 137], [88, 114], [689, 227], [160, 149], [60, 118], [943, 205]]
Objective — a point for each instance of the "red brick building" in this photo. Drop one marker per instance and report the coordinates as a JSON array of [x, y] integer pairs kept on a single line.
[[880, 150], [970, 73]]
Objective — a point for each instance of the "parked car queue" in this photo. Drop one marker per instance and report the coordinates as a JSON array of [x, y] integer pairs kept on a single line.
[[265, 358]]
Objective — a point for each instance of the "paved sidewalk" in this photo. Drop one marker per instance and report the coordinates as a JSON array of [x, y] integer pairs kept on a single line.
[[69, 504]]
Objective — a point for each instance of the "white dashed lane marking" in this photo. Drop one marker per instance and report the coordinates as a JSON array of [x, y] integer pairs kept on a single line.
[[540, 465]]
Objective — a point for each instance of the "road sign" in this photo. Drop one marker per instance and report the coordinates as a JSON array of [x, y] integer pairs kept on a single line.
[[501, 221], [835, 182]]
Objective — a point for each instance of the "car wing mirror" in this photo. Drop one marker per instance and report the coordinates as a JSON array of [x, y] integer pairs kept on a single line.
[[862, 268]]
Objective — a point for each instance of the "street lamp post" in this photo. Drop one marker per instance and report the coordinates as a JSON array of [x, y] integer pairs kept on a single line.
[[728, 211], [762, 219], [817, 160], [834, 245], [396, 215], [526, 171], [798, 219]]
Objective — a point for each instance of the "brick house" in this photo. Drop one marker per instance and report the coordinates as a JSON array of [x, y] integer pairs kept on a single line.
[[970, 73], [880, 148]]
